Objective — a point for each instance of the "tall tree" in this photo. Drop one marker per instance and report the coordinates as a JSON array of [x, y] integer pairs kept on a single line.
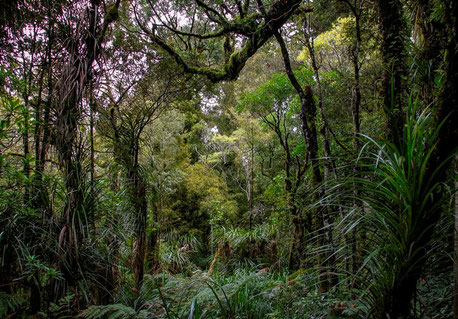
[[125, 122], [308, 118], [86, 33], [393, 28]]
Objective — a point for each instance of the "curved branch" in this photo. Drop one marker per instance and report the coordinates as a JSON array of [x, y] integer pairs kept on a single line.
[[209, 9], [257, 34]]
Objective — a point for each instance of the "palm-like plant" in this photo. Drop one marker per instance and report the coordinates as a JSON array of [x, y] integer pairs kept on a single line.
[[399, 190]]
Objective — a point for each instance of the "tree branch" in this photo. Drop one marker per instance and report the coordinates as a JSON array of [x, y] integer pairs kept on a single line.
[[257, 34]]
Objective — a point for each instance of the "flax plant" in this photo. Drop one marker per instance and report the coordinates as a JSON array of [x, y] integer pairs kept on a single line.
[[398, 216]]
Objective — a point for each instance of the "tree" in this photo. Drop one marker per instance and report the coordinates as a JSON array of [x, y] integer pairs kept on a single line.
[[393, 29], [255, 24], [87, 32], [275, 105], [126, 120]]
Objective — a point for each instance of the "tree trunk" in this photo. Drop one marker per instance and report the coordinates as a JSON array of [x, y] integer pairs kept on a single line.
[[153, 242], [355, 114], [394, 35], [25, 144], [329, 164], [308, 117], [455, 264], [42, 134], [92, 108], [138, 198], [82, 52], [251, 187]]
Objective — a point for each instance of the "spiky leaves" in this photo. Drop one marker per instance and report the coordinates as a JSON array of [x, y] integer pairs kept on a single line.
[[403, 211]]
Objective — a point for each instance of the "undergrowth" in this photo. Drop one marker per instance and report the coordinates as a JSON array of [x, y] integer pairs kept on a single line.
[[246, 293]]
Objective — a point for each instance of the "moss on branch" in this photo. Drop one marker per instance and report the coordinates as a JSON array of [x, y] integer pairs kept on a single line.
[[257, 33]]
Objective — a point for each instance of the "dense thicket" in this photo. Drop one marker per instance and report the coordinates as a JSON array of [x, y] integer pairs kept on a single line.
[[228, 159]]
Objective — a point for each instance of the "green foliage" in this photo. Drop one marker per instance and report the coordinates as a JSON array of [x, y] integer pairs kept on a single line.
[[115, 311], [177, 251], [63, 308], [400, 221], [202, 199], [330, 44], [246, 293], [10, 304], [275, 94], [204, 189], [434, 294]]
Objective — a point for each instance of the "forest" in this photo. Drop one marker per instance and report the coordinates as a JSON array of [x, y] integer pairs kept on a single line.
[[191, 159]]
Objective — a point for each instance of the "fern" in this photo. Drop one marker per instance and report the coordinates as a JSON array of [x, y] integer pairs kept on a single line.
[[114, 311], [62, 309], [10, 303]]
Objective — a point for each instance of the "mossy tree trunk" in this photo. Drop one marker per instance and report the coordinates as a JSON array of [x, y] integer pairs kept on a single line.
[[393, 29], [397, 302]]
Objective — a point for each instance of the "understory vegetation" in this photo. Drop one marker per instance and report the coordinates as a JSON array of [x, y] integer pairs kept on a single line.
[[187, 159]]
